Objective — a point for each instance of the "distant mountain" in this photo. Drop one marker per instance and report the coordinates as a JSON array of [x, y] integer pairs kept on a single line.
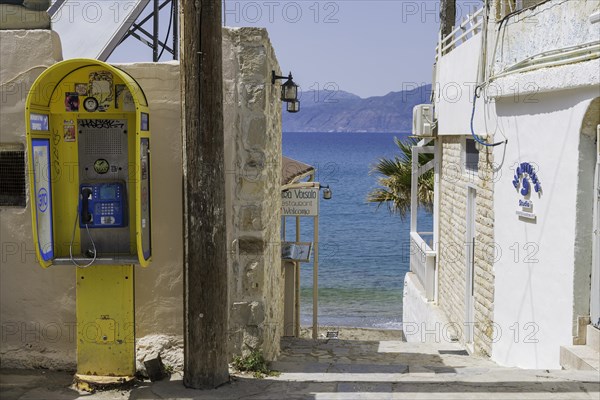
[[339, 111]]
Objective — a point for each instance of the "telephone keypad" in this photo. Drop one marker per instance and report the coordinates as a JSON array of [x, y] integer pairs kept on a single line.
[[107, 208], [107, 205]]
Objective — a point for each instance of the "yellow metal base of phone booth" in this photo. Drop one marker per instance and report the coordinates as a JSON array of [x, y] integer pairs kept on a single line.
[[91, 383], [105, 321]]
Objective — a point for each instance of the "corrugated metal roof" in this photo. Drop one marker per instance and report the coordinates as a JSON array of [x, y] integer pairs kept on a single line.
[[292, 169]]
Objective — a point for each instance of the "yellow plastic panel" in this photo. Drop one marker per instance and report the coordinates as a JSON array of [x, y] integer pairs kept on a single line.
[[65, 193]]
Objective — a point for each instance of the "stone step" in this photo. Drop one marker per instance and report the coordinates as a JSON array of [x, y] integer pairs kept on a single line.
[[580, 358], [593, 338]]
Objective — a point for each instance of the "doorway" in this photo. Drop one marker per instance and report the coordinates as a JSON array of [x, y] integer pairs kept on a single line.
[[470, 266]]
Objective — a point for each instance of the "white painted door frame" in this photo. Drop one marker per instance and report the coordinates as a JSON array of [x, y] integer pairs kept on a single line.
[[595, 286], [470, 265]]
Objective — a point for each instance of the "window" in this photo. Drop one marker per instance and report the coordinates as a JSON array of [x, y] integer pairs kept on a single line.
[[12, 175], [471, 157]]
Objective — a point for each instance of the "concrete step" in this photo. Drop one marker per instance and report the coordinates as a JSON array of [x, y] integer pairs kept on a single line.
[[580, 358], [593, 338]]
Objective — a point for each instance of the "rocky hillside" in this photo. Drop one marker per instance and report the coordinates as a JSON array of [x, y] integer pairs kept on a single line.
[[339, 111]]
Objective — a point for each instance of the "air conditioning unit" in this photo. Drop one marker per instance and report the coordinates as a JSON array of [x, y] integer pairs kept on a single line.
[[423, 123]]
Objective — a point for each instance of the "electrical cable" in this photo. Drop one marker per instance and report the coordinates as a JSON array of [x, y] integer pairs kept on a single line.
[[485, 72], [73, 239], [477, 138], [481, 71], [168, 31]]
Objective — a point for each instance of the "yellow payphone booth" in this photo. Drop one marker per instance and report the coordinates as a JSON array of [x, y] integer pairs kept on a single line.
[[88, 141]]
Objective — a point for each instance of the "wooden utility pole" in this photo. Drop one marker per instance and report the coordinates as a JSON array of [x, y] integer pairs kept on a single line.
[[205, 254], [447, 16]]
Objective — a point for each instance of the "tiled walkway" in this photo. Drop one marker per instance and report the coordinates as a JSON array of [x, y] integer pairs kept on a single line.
[[344, 370]]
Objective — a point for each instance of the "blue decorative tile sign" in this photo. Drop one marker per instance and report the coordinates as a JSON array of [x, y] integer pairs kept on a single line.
[[524, 181]]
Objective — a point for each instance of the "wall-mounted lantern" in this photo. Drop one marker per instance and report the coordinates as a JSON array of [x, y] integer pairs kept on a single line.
[[289, 91], [293, 106]]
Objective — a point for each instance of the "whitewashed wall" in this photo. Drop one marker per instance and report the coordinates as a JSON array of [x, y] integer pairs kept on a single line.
[[550, 26], [533, 306], [534, 273], [455, 87], [37, 308], [423, 321]]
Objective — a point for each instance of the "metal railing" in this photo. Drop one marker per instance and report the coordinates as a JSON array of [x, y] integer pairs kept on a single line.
[[470, 27], [422, 263]]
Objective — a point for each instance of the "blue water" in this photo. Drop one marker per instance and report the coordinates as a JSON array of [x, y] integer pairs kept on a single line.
[[364, 250]]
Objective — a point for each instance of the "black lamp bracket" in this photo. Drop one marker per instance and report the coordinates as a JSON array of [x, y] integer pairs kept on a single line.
[[274, 77]]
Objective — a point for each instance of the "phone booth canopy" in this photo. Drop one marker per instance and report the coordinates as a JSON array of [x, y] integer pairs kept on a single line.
[[88, 143]]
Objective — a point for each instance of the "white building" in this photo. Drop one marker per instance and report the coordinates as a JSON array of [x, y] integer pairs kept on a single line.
[[513, 272]]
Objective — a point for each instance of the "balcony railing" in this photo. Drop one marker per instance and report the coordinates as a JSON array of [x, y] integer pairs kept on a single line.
[[470, 27], [422, 263]]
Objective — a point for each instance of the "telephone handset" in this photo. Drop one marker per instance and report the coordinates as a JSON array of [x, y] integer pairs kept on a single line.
[[102, 205], [86, 194]]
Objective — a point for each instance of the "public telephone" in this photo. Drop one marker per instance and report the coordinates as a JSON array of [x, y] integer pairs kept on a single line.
[[91, 135], [103, 205], [88, 142]]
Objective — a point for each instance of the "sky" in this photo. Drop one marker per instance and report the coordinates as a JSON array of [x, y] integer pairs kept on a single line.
[[366, 47]]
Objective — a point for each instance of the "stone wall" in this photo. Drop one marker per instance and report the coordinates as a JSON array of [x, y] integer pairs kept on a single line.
[[37, 307], [253, 160], [452, 247]]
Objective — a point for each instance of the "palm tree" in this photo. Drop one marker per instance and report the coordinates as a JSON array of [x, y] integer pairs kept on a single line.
[[395, 178]]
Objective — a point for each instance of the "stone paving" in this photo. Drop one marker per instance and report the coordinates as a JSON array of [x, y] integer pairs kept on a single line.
[[343, 370]]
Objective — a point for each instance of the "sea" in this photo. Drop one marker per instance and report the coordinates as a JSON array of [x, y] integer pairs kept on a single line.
[[363, 248]]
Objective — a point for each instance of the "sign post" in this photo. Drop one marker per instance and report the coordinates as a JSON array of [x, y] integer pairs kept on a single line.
[[300, 202], [304, 202]]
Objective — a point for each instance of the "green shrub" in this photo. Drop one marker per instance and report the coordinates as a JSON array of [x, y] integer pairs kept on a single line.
[[253, 362]]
